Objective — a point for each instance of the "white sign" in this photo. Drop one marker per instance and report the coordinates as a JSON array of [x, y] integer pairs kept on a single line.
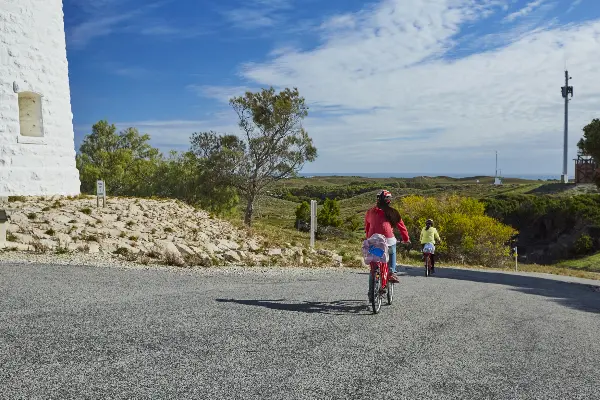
[[100, 188], [100, 192]]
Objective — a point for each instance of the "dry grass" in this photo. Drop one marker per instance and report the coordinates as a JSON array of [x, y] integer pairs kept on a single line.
[[172, 259], [38, 246]]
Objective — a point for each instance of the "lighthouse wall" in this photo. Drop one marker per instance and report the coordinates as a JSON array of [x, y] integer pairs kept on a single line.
[[37, 155]]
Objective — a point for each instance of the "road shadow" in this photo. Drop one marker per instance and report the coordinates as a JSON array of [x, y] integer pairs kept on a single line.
[[339, 307], [575, 295]]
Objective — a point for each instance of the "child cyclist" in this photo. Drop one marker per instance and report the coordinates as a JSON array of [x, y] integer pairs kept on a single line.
[[382, 219], [429, 235]]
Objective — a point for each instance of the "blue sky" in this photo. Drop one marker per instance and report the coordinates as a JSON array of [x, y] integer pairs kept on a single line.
[[426, 86]]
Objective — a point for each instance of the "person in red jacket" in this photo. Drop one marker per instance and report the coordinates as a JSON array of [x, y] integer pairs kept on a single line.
[[382, 219]]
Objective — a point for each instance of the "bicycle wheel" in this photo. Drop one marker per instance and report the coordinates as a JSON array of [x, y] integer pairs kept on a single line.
[[427, 265], [390, 292], [376, 292]]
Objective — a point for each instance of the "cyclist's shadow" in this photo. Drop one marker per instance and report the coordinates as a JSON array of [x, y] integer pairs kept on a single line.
[[339, 307]]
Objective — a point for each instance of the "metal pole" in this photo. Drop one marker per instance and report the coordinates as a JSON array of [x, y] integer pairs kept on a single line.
[[496, 166], [566, 91], [565, 144]]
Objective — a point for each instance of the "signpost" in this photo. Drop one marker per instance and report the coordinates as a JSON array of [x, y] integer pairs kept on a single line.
[[516, 259], [313, 222], [100, 192]]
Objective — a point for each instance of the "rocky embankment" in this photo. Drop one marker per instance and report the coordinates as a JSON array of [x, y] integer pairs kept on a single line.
[[144, 231]]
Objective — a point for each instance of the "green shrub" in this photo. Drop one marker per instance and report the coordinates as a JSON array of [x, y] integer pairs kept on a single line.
[[354, 222], [467, 233], [583, 245], [89, 238], [60, 250], [303, 213], [86, 211], [329, 215], [121, 251], [32, 216]]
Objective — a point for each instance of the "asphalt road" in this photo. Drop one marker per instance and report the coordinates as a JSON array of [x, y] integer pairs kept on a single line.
[[85, 332]]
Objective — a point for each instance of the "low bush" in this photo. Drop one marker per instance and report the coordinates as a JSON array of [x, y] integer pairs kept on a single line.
[[329, 215], [583, 245], [468, 235]]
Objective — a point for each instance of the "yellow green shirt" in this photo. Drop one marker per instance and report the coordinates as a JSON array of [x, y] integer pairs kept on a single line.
[[429, 235]]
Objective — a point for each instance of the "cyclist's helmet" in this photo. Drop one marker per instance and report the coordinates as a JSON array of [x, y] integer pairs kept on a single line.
[[385, 197], [429, 222]]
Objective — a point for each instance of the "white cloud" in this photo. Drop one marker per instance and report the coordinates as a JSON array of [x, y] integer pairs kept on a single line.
[[530, 7], [384, 98], [220, 93], [175, 134], [80, 35], [104, 17], [379, 89], [255, 14], [574, 5]]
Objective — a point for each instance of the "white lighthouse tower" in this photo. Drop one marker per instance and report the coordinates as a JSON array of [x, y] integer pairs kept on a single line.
[[37, 155]]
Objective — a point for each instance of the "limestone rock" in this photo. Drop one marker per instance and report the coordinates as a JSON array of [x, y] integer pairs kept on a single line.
[[211, 248], [166, 226], [253, 246], [232, 256], [228, 245], [184, 249], [275, 252]]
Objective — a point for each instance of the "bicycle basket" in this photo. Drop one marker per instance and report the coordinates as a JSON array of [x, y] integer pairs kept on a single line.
[[375, 249], [429, 248]]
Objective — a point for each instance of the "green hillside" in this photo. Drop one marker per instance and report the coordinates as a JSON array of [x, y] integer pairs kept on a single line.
[[275, 212]]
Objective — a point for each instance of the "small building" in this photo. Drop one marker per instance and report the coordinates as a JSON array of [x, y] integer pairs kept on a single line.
[[586, 169], [37, 154]]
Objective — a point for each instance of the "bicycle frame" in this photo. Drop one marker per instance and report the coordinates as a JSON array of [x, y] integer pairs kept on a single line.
[[383, 271], [427, 257]]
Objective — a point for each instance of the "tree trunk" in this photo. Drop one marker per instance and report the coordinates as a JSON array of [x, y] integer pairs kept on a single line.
[[249, 210]]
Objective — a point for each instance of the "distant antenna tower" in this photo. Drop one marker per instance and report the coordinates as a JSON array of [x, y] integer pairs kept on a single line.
[[497, 180], [566, 91], [496, 164]]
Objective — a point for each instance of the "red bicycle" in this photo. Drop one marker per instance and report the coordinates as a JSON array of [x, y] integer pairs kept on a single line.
[[379, 285], [428, 250], [427, 257]]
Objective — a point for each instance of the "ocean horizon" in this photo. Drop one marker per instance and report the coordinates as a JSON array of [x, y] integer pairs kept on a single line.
[[543, 177]]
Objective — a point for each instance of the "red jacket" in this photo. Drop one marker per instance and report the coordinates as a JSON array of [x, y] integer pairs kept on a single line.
[[375, 222]]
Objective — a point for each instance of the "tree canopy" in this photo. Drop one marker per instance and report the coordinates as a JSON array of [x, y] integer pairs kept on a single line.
[[217, 168], [273, 144], [589, 144], [124, 160]]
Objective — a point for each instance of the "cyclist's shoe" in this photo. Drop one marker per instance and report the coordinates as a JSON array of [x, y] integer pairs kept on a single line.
[[433, 270], [393, 278]]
